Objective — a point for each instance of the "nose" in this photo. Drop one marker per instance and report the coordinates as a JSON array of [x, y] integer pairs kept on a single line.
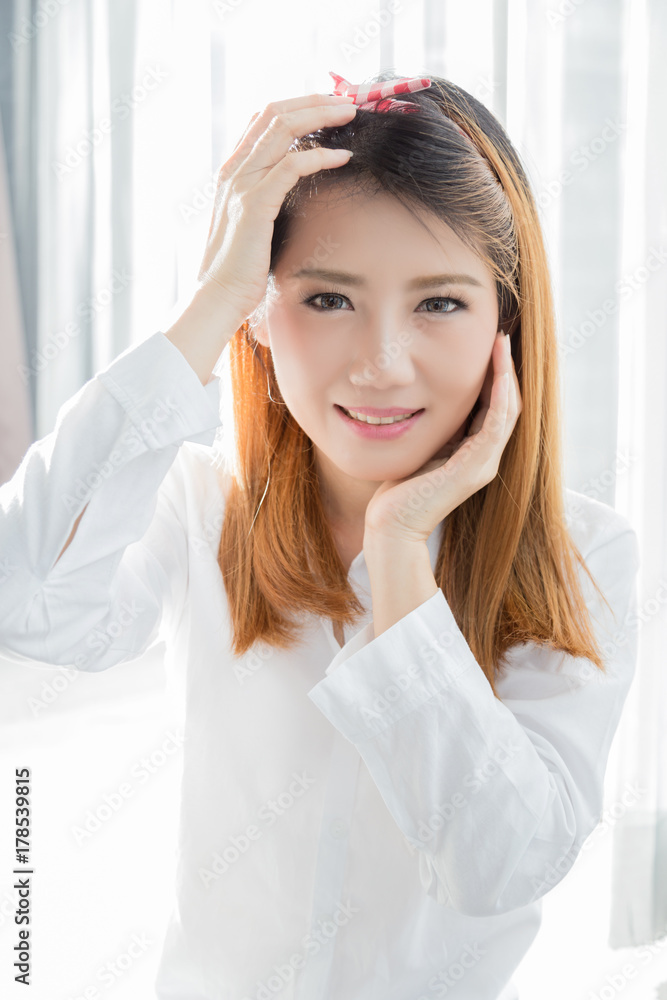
[[384, 357]]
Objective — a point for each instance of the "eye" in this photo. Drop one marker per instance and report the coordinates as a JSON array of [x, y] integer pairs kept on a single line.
[[325, 296], [309, 300], [459, 303]]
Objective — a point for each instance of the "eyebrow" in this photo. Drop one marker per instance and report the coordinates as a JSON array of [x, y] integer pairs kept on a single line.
[[427, 281]]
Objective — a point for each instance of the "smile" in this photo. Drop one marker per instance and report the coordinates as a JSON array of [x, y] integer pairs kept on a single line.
[[378, 427], [368, 419]]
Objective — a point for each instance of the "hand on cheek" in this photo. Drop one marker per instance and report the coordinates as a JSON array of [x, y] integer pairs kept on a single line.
[[410, 508], [482, 402]]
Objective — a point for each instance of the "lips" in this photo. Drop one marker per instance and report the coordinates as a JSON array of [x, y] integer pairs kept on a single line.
[[389, 411], [377, 430], [379, 418]]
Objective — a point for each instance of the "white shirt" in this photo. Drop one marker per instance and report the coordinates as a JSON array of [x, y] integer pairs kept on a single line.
[[357, 823]]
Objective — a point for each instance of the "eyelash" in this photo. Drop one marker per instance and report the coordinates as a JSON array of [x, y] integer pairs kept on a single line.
[[461, 303]]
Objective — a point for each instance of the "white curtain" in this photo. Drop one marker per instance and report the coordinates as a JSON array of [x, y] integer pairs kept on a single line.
[[118, 118], [639, 900]]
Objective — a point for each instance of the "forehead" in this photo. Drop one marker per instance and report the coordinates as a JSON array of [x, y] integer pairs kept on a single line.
[[341, 226]]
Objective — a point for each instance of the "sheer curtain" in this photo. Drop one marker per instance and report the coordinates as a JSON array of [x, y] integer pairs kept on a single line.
[[116, 118], [639, 901]]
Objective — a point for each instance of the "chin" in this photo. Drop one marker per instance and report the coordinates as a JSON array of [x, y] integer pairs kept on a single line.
[[379, 472]]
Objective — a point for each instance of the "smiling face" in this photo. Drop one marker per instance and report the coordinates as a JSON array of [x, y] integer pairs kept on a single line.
[[376, 338]]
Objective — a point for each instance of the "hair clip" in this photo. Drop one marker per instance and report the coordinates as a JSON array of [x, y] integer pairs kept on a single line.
[[366, 96]]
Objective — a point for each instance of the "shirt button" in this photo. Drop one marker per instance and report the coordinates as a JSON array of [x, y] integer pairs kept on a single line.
[[338, 829]]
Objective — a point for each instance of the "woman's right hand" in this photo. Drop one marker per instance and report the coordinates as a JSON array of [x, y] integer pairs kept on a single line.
[[252, 186]]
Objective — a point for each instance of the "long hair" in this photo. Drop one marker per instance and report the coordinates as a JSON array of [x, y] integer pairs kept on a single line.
[[507, 565]]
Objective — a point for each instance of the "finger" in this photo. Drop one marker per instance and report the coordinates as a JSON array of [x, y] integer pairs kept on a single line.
[[506, 366], [495, 421], [247, 129], [272, 131], [492, 427], [291, 104], [274, 145], [496, 364], [514, 399], [516, 403]]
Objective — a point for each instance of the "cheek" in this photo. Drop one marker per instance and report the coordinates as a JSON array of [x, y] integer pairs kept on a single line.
[[301, 371], [304, 362], [458, 373], [304, 370]]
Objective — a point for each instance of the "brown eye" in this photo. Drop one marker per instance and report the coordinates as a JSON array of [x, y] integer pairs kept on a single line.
[[457, 302], [325, 297]]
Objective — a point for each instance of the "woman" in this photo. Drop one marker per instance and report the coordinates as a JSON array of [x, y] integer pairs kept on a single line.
[[400, 644]]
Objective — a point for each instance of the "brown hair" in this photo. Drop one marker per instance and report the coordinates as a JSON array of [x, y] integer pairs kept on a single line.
[[506, 564]]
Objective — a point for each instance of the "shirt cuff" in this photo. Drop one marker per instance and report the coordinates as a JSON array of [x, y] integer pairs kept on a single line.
[[358, 641], [163, 395], [416, 658]]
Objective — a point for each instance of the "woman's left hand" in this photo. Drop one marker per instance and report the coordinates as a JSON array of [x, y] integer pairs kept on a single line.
[[409, 509]]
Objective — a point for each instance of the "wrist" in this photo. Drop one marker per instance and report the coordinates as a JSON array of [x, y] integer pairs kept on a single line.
[[214, 312], [391, 561], [381, 545], [203, 330], [400, 577]]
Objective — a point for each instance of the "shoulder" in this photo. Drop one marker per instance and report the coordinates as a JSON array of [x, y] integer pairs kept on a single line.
[[594, 525]]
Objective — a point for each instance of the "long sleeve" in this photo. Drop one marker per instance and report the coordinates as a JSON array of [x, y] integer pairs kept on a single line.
[[107, 598], [497, 797]]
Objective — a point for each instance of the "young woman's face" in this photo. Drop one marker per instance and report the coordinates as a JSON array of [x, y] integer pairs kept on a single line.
[[371, 338]]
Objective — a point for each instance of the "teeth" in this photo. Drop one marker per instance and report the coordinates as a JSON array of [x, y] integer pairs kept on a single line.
[[376, 420]]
